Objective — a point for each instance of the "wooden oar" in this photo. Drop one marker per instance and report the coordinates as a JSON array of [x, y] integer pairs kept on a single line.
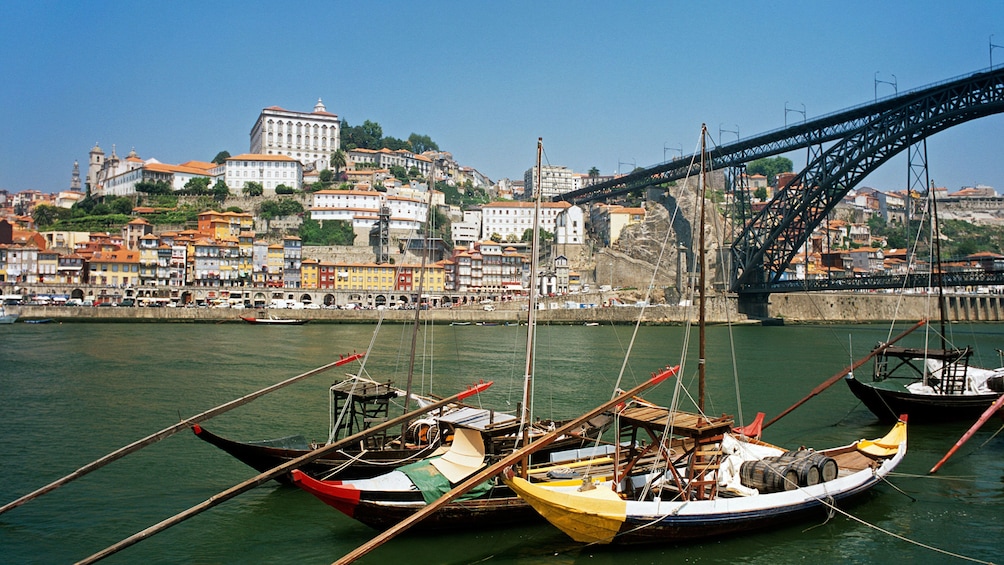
[[169, 431], [965, 437], [496, 468], [832, 380], [275, 472]]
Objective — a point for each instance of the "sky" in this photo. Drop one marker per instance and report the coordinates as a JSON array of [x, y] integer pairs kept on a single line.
[[611, 85]]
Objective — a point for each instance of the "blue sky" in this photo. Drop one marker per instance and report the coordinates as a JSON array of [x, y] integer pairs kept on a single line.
[[606, 84]]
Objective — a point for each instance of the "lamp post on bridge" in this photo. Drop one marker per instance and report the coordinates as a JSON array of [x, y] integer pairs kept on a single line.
[[893, 83], [787, 109], [721, 131], [992, 46], [667, 148]]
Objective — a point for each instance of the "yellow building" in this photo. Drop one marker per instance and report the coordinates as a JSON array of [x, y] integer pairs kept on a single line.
[[221, 225], [114, 268], [309, 273]]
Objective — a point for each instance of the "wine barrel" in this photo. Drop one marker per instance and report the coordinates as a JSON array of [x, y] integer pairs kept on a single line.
[[827, 466], [806, 470], [768, 475]]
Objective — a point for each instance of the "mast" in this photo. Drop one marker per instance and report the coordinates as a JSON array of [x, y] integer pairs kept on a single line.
[[700, 267], [936, 243], [531, 317], [421, 284]]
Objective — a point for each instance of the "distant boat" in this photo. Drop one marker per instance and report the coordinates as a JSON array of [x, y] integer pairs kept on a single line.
[[272, 320], [40, 321], [460, 323], [591, 324], [6, 318], [488, 323]]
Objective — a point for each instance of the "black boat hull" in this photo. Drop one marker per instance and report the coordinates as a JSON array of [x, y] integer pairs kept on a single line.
[[888, 404]]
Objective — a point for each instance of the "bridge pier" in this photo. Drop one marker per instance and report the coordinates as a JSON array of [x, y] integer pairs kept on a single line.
[[754, 305]]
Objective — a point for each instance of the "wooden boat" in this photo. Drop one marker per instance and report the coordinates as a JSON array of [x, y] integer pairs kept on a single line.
[[356, 403], [715, 487], [384, 500], [270, 320], [930, 384], [40, 321], [460, 323], [714, 479]]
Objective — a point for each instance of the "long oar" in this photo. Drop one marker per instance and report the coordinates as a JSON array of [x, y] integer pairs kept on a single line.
[[847, 370], [965, 437], [275, 472], [493, 470], [169, 431]]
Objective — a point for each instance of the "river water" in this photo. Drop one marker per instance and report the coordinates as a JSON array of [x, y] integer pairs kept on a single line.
[[71, 393]]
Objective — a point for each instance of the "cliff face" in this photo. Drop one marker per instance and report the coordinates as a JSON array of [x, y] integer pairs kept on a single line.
[[666, 238]]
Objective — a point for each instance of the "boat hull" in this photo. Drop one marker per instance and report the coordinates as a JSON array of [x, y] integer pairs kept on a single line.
[[344, 464], [273, 321], [384, 509], [888, 403]]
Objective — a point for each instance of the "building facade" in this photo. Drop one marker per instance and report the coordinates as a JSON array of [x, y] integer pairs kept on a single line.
[[308, 137]]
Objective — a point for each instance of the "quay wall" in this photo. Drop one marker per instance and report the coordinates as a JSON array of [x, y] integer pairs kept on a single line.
[[791, 308], [851, 307]]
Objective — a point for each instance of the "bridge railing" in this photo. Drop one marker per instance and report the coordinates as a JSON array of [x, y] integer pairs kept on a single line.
[[966, 278]]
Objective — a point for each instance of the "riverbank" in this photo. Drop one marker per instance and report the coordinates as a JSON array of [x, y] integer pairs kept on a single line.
[[791, 308]]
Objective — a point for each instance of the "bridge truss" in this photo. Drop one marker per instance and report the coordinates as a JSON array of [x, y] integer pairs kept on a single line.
[[843, 147]]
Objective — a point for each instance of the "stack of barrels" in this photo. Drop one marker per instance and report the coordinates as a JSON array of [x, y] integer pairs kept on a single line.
[[788, 471]]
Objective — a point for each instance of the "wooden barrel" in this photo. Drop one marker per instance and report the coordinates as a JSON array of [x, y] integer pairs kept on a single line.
[[768, 475], [806, 471], [827, 466]]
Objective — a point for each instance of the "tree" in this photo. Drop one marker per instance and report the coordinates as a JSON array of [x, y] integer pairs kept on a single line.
[[395, 144], [496, 237], [422, 143], [44, 215], [770, 167], [220, 191], [594, 174], [331, 232], [197, 185], [121, 205], [326, 176], [221, 157], [148, 187], [399, 173], [283, 189], [338, 161], [253, 189], [760, 194]]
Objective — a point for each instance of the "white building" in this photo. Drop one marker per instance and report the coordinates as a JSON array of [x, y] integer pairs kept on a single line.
[[468, 231], [513, 218], [269, 170], [385, 159], [310, 138], [177, 176], [361, 208], [554, 181]]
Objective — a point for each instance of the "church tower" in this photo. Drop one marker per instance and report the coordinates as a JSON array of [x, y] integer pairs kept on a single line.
[[75, 179], [97, 161]]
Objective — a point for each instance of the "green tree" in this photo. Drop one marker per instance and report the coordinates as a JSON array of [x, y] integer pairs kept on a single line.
[[366, 136], [326, 176], [496, 237], [594, 174], [770, 167], [149, 187], [221, 157], [338, 161], [253, 189], [220, 191], [44, 215], [421, 143], [331, 232], [760, 193], [395, 144], [283, 189], [101, 210], [399, 173], [121, 205], [197, 185], [288, 207]]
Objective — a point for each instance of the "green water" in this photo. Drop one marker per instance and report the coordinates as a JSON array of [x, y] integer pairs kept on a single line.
[[70, 393]]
